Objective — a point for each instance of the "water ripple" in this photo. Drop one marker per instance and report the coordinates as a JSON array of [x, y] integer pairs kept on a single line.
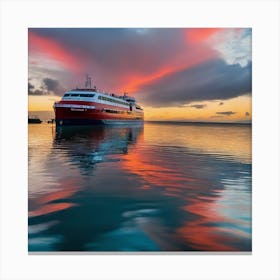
[[161, 187]]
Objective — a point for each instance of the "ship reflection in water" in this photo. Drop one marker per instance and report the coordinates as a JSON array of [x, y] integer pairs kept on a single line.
[[161, 187]]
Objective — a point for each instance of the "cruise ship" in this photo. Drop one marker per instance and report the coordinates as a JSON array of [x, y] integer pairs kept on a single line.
[[88, 105]]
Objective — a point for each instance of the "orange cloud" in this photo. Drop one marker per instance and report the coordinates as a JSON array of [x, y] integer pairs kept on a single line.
[[54, 50], [197, 35], [181, 63], [193, 55], [137, 81]]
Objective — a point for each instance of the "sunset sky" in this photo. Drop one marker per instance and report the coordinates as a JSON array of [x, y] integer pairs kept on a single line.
[[182, 74]]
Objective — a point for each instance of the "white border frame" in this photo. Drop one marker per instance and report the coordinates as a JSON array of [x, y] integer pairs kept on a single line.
[[17, 16]]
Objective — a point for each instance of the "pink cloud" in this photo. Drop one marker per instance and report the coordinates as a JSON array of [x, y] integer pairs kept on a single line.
[[53, 50], [197, 35]]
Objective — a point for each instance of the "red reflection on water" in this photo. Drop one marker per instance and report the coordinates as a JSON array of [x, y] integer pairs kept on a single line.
[[56, 195], [148, 168], [199, 233], [202, 229], [46, 203], [50, 208]]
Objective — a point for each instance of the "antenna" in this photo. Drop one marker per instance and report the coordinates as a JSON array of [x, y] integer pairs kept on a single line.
[[88, 81]]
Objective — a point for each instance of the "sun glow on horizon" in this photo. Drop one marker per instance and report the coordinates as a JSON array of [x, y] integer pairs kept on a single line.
[[42, 103], [233, 110], [238, 109]]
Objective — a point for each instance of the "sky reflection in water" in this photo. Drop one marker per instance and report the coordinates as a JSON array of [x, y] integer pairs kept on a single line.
[[161, 187]]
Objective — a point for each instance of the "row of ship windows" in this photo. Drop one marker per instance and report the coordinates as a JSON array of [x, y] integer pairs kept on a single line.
[[105, 98], [114, 111], [78, 95], [99, 97]]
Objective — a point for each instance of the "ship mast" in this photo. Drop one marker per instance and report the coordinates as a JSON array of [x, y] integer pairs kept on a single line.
[[88, 81]]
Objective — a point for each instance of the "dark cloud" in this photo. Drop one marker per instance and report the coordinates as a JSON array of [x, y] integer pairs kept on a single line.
[[208, 81], [221, 103], [53, 86], [39, 92], [33, 91], [247, 114], [30, 87], [226, 113], [48, 87], [197, 106], [215, 117]]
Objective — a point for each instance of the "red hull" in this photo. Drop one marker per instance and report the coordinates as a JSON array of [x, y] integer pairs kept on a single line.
[[68, 112]]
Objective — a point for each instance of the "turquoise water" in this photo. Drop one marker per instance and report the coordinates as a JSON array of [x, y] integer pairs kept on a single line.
[[157, 187]]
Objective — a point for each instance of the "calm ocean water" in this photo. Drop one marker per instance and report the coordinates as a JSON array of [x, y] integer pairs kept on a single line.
[[157, 187]]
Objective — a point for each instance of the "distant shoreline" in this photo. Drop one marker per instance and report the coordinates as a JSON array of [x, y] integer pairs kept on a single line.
[[200, 122], [48, 115]]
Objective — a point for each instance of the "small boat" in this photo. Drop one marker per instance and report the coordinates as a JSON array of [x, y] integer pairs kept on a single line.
[[89, 105], [34, 119]]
